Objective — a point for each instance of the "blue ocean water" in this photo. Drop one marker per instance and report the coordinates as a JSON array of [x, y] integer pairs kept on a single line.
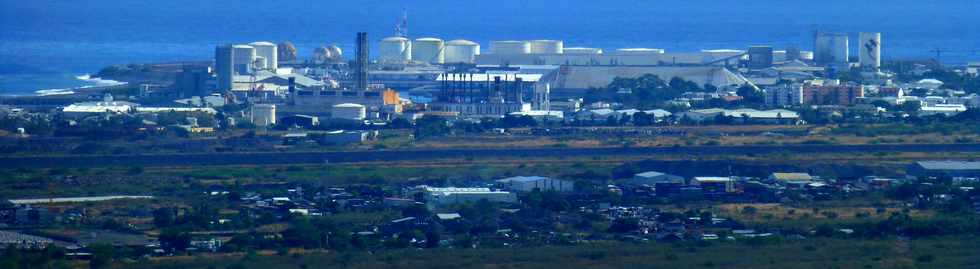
[[46, 44]]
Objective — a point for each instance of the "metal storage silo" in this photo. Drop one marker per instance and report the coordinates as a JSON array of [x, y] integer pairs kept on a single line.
[[243, 57], [870, 50], [510, 47], [581, 51], [462, 51], [547, 46], [224, 66], [429, 50], [395, 49], [269, 51]]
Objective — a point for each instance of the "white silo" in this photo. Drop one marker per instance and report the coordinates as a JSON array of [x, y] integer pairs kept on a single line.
[[395, 49], [582, 51], [349, 111], [263, 114], [870, 50], [510, 47], [841, 48], [243, 57], [429, 50], [639, 51], [462, 51], [269, 51], [830, 48], [547, 46]]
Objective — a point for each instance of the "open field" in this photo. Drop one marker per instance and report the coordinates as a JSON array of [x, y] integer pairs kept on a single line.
[[818, 254]]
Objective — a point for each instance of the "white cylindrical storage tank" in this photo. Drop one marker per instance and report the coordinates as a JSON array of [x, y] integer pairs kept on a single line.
[[429, 50], [639, 51], [462, 51], [349, 111], [510, 47], [263, 114], [395, 49], [269, 51], [547, 46], [243, 56], [582, 51]]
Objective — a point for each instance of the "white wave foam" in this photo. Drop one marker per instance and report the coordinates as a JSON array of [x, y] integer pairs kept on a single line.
[[50, 92], [98, 81]]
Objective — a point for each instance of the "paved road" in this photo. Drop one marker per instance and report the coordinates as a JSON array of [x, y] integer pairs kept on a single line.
[[405, 155]]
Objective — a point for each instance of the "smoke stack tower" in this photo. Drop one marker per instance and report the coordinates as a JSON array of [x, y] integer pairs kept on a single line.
[[361, 63]]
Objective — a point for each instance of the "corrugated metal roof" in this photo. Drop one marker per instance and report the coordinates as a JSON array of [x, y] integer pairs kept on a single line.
[[949, 165]]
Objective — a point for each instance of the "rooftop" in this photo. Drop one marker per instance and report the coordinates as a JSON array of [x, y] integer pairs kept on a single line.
[[522, 179], [792, 176], [949, 165]]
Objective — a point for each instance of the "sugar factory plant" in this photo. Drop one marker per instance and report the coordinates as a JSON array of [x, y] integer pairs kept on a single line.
[[460, 77]]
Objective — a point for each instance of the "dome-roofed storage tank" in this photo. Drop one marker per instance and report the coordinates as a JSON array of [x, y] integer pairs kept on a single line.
[[395, 50], [462, 51], [582, 51], [509, 47], [429, 50], [335, 52], [547, 46], [268, 51]]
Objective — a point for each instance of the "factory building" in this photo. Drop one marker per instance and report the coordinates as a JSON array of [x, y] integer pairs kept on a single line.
[[490, 94], [536, 183], [395, 50], [787, 95], [831, 48], [514, 54], [268, 52], [652, 178], [461, 51], [429, 50], [575, 81], [314, 100], [263, 114], [715, 184], [944, 169], [761, 57], [439, 197], [870, 50]]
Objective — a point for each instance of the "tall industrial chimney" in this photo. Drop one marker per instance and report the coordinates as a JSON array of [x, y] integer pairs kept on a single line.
[[361, 63]]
